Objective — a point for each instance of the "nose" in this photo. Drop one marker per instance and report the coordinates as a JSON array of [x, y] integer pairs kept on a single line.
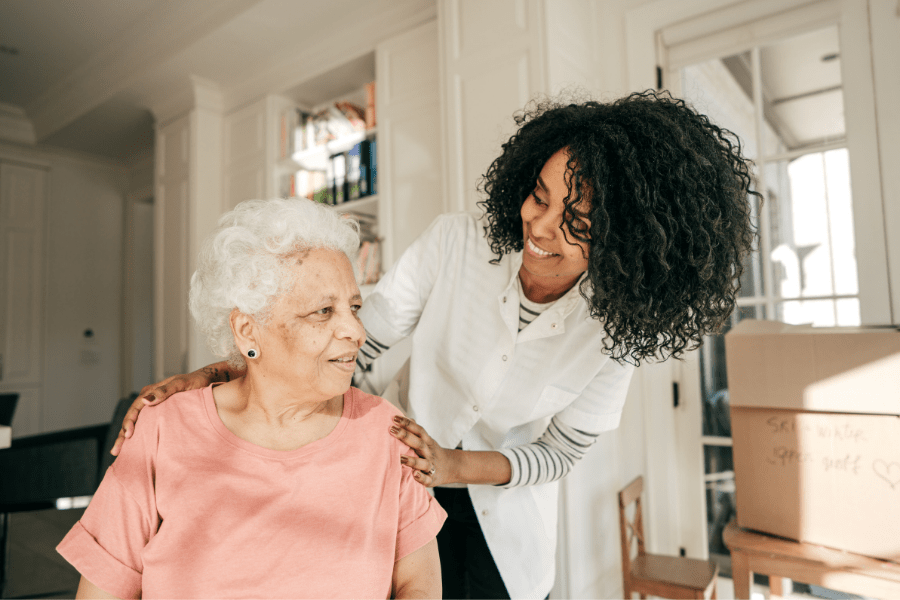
[[349, 327], [545, 224]]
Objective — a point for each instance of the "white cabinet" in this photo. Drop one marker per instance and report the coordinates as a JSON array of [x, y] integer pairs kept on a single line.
[[22, 206]]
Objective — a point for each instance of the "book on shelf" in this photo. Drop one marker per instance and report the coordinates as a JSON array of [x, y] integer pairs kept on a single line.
[[368, 262], [290, 123], [354, 171], [370, 106], [339, 168]]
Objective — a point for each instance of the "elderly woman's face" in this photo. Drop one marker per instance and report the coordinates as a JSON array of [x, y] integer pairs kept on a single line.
[[313, 334], [547, 252]]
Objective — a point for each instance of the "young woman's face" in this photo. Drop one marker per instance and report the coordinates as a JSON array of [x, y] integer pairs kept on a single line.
[[547, 252]]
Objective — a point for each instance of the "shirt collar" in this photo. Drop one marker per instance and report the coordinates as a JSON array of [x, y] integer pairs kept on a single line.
[[562, 308]]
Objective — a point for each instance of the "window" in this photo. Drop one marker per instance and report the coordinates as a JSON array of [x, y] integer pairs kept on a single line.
[[784, 100]]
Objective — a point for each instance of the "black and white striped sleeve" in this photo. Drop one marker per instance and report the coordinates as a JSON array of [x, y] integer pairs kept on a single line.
[[369, 351], [550, 458]]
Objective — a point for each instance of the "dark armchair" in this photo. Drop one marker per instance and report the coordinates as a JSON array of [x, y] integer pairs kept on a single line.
[[36, 470]]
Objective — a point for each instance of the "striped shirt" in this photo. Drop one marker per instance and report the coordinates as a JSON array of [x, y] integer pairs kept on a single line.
[[528, 310], [549, 458]]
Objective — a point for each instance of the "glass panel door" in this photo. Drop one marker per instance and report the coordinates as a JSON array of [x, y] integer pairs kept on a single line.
[[784, 101]]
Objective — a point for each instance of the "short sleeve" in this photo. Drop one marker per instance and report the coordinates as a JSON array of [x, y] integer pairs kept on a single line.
[[106, 545], [421, 517], [599, 407]]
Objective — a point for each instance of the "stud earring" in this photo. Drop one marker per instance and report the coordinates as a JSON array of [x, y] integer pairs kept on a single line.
[[251, 353]]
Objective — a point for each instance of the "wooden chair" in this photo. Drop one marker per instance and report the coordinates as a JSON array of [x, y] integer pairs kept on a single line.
[[655, 574]]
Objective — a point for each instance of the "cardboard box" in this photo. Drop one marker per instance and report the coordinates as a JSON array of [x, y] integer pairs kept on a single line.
[[815, 417]]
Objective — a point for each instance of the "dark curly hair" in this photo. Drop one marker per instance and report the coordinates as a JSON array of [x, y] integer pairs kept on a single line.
[[669, 214]]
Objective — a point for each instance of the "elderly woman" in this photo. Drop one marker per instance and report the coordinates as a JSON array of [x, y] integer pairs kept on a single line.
[[283, 483]]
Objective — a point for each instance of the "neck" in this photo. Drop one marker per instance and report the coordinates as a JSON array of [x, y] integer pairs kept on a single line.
[[543, 289], [279, 405]]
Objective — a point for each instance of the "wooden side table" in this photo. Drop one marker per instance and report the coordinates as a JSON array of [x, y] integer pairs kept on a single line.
[[780, 558]]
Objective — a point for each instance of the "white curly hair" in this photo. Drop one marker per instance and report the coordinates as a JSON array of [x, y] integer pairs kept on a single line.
[[242, 264]]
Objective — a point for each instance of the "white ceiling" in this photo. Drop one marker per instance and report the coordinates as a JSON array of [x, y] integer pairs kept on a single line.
[[91, 75]]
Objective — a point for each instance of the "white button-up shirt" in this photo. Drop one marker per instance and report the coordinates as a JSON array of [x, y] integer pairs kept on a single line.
[[474, 379]]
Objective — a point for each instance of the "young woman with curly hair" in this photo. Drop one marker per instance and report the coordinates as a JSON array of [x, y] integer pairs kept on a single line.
[[611, 234]]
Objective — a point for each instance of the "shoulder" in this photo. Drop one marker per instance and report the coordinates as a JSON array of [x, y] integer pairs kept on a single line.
[[179, 410], [458, 226], [374, 415], [368, 406]]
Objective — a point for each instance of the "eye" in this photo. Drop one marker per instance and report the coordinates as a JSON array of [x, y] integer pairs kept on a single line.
[[324, 311], [537, 200], [355, 308]]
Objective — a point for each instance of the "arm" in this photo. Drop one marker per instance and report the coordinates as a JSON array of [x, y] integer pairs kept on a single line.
[[86, 589], [418, 575], [155, 393], [391, 312], [548, 459]]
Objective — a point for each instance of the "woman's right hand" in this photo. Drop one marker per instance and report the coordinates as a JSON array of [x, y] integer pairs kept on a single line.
[[156, 393]]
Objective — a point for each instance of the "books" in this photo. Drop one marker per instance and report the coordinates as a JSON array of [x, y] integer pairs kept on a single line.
[[347, 176]]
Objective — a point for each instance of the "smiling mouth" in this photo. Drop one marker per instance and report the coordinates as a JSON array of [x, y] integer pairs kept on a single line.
[[344, 359], [539, 252]]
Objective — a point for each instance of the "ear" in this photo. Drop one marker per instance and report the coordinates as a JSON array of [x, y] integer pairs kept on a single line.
[[244, 329]]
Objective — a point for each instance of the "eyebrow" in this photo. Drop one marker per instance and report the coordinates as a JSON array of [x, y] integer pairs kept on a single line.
[[332, 298]]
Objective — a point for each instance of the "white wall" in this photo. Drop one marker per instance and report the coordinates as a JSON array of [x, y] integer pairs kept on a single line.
[[137, 272], [84, 291]]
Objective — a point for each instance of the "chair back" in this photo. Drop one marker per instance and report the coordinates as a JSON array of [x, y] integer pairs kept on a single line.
[[106, 459], [631, 529], [8, 408]]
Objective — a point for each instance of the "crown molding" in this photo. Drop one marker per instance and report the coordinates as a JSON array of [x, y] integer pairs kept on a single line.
[[168, 28], [15, 126]]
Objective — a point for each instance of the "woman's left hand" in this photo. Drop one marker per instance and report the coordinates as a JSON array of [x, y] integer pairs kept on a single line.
[[434, 464]]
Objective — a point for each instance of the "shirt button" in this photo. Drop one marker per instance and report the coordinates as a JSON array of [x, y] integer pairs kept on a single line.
[[504, 357], [475, 408], [553, 326], [504, 299], [484, 513]]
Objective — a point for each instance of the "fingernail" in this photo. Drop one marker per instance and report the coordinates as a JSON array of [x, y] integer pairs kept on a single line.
[[417, 475], [149, 399], [394, 430], [404, 460], [398, 419]]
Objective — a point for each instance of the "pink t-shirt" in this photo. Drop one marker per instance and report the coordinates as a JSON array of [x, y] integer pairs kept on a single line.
[[190, 510]]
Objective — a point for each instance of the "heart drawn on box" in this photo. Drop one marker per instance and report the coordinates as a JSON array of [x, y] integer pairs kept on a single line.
[[890, 472]]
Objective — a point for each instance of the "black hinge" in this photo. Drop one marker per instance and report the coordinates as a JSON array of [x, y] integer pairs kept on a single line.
[[675, 399], [682, 551], [658, 77]]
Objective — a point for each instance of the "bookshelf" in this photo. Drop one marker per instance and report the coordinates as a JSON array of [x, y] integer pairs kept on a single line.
[[409, 150]]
